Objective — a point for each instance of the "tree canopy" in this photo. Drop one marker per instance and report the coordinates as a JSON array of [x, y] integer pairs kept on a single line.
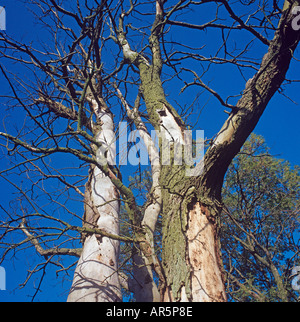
[[83, 92], [260, 226]]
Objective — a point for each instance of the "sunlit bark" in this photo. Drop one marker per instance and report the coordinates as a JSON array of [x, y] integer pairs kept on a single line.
[[96, 276]]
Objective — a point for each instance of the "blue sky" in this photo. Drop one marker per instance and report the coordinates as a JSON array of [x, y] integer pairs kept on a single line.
[[279, 125]]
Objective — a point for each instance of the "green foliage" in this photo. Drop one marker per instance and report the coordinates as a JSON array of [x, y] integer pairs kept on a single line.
[[260, 226]]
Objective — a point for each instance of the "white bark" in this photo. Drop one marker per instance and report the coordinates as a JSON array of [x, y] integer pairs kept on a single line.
[[169, 127], [145, 288], [96, 276], [143, 285]]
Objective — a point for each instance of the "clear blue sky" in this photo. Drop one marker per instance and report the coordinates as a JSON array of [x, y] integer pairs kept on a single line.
[[279, 125]]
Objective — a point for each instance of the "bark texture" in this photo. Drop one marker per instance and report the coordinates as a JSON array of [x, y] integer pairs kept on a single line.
[[191, 207], [204, 257], [96, 277], [90, 59]]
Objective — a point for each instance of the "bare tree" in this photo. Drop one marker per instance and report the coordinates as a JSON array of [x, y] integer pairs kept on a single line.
[[105, 56]]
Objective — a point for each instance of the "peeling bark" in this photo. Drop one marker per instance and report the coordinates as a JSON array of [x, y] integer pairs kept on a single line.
[[192, 265], [190, 207], [190, 233], [204, 259], [96, 276]]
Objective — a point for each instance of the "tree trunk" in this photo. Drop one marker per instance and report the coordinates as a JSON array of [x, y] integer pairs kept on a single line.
[[191, 249], [96, 276], [191, 206], [204, 256]]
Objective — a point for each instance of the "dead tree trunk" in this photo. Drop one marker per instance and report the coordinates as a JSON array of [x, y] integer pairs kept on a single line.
[[96, 276]]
